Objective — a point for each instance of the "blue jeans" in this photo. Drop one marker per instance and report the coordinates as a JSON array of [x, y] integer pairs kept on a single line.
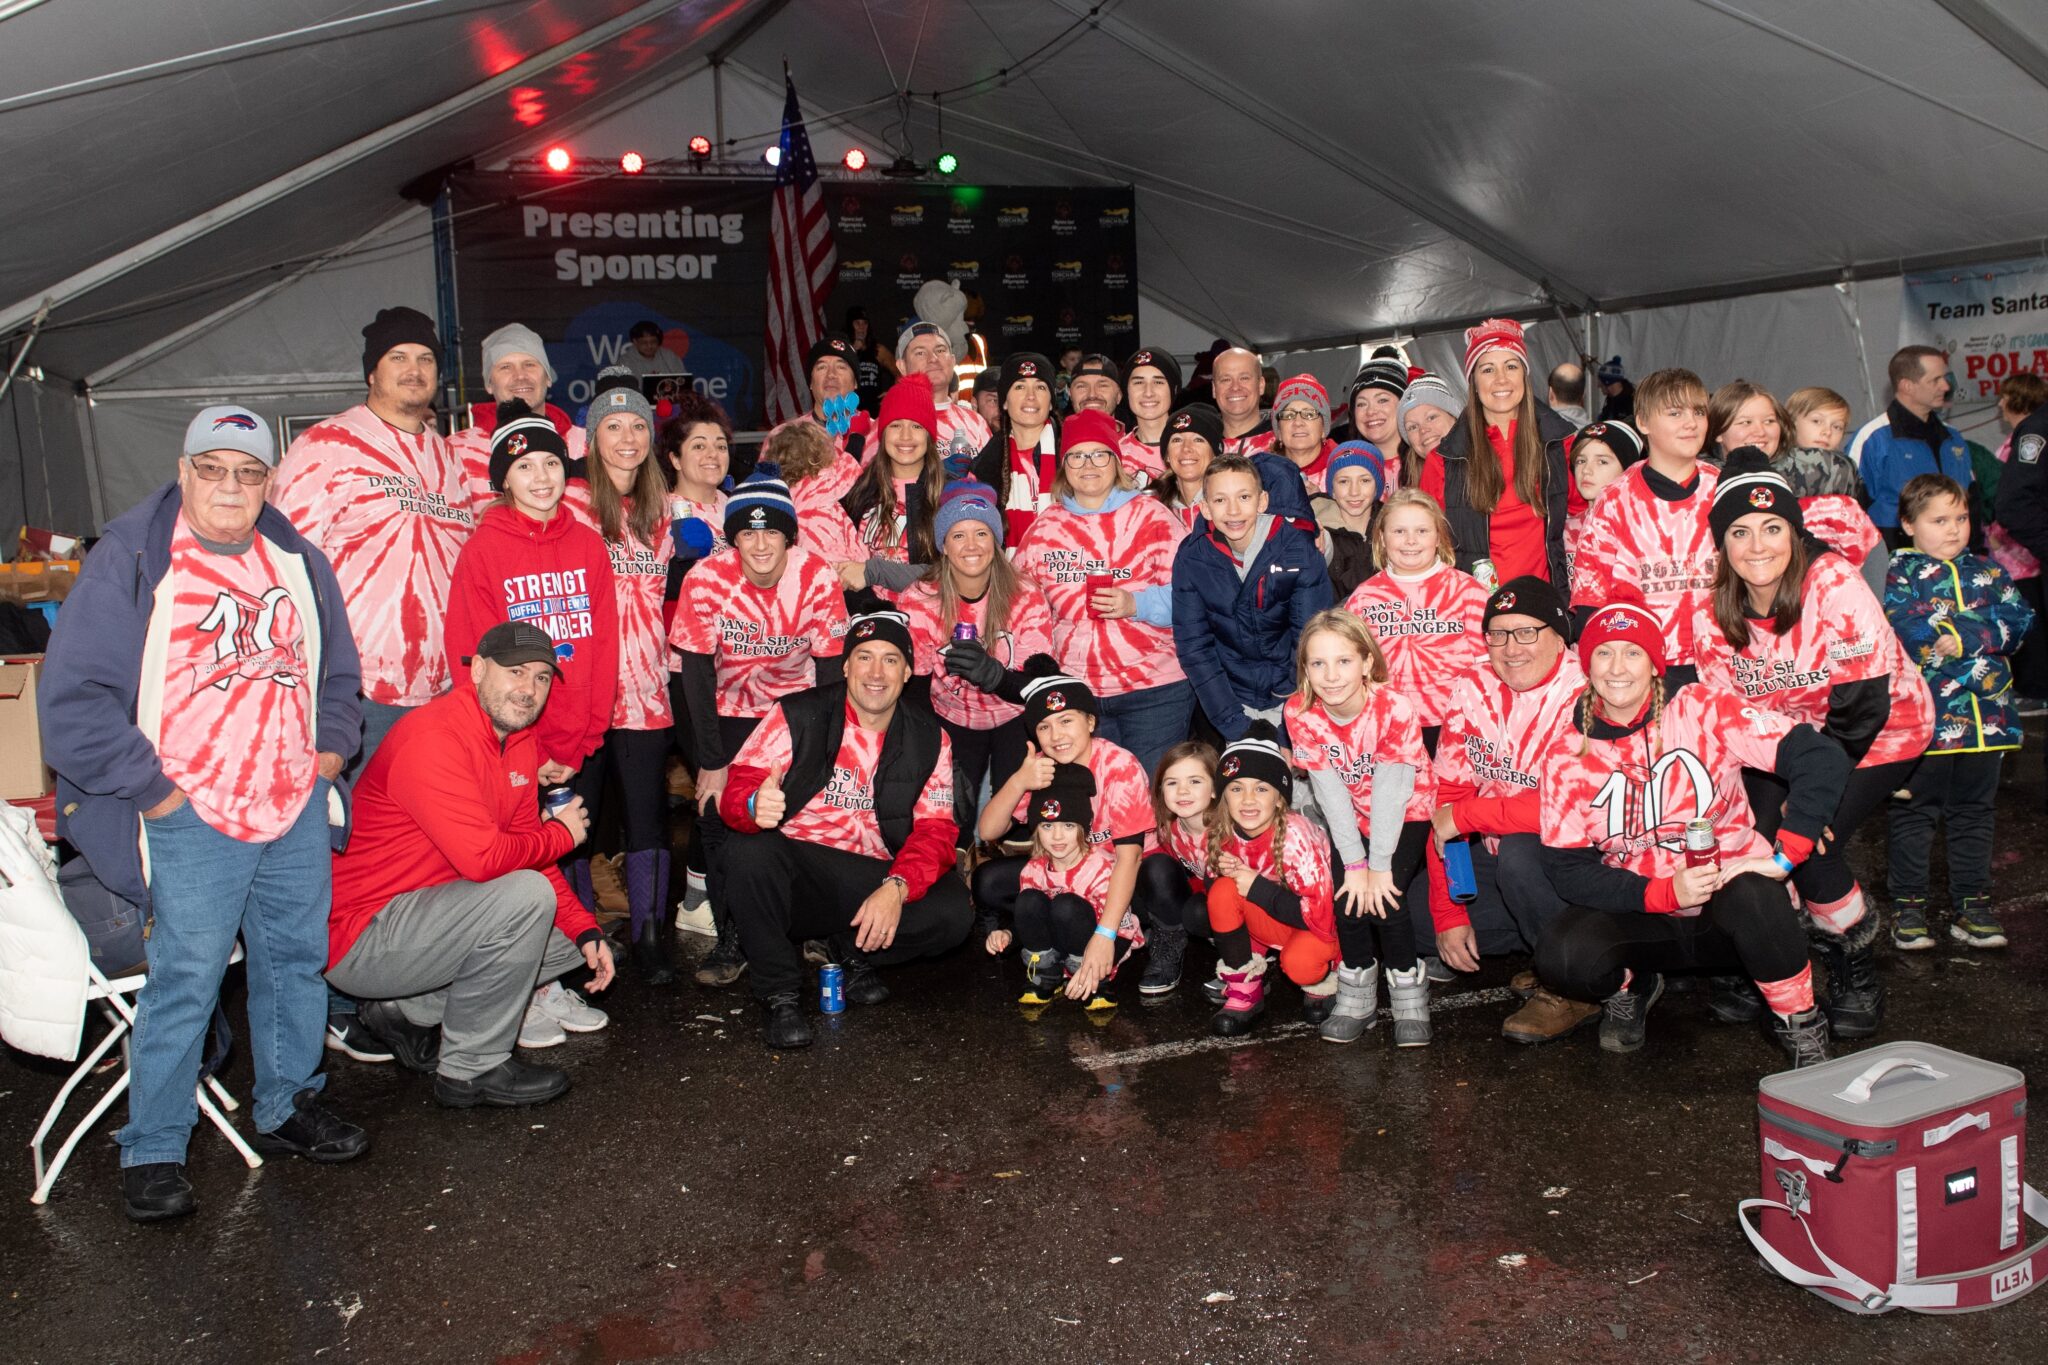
[[1148, 722], [205, 890]]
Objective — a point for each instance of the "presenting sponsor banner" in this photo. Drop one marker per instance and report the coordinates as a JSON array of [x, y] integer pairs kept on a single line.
[[1991, 320], [581, 263]]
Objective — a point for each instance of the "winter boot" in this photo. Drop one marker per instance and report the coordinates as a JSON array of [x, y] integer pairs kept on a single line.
[[646, 895], [1909, 924], [1976, 924], [861, 983], [1319, 999], [725, 963], [1162, 964], [1626, 1020], [1098, 999], [1734, 1000], [577, 873], [1804, 1036], [1244, 998], [1855, 1004], [1043, 974], [1357, 1005], [1408, 994]]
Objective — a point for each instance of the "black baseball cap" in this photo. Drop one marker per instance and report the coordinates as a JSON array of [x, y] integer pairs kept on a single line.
[[511, 643]]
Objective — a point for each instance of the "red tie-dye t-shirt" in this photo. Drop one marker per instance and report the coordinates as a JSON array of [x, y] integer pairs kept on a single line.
[[763, 640], [388, 509], [1026, 632], [842, 815], [1494, 737], [1133, 545], [1138, 459], [1123, 795], [1663, 549], [1189, 848], [1430, 630], [1385, 730], [639, 577], [236, 733], [1306, 871]]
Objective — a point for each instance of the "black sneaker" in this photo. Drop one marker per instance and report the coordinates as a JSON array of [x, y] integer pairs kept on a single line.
[[313, 1133], [1909, 925], [1625, 1021], [1163, 961], [725, 963], [860, 982], [1436, 972], [1976, 924], [415, 1048], [1804, 1036], [157, 1190], [1734, 1000], [786, 1028], [346, 1035], [511, 1084]]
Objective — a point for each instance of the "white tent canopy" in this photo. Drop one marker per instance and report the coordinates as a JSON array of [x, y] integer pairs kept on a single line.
[[207, 193]]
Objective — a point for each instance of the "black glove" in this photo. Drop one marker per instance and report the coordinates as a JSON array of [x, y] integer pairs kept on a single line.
[[968, 659]]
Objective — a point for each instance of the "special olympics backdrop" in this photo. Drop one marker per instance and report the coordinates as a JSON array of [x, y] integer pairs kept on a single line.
[[581, 263], [1991, 319]]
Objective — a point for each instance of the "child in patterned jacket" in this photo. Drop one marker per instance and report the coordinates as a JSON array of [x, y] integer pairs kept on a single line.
[[1960, 618]]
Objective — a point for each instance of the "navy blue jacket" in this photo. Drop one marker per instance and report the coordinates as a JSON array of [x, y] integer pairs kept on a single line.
[[1236, 638], [107, 769]]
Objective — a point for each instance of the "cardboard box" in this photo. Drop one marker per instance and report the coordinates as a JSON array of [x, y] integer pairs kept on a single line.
[[22, 774]]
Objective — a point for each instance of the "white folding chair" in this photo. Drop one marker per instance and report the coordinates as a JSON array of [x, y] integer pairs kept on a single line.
[[116, 1001]]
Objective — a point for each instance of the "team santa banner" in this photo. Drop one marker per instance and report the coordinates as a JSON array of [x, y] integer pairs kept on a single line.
[[581, 263], [1991, 320]]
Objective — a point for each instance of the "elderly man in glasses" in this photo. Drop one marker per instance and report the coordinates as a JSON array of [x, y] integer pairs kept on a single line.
[[925, 349], [199, 703], [1502, 715]]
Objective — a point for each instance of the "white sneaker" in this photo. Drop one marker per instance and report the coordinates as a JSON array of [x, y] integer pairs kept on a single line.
[[539, 1029], [569, 1009], [698, 921]]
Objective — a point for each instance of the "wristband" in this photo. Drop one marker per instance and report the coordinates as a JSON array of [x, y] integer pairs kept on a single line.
[[902, 883], [750, 803], [1778, 857], [1104, 931], [1362, 865]]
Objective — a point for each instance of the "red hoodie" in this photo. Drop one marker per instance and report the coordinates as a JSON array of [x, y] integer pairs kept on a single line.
[[444, 800], [556, 575]]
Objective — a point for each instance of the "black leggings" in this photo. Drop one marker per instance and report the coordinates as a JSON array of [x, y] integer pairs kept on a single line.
[[1064, 922], [640, 757], [978, 754], [1749, 927], [1826, 878], [1168, 897], [1367, 939]]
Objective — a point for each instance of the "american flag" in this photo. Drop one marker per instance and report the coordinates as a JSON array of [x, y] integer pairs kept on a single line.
[[803, 264]]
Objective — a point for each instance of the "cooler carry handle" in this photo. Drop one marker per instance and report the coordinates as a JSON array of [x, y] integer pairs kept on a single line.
[[2011, 1278], [1858, 1090]]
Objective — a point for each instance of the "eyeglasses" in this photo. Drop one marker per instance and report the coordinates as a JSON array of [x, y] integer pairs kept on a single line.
[[1301, 415], [246, 475], [1524, 635], [1081, 457]]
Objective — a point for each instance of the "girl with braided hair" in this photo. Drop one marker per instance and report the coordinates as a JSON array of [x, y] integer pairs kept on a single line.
[[1623, 783]]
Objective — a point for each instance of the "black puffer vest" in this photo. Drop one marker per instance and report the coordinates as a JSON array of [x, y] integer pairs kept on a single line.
[[910, 750]]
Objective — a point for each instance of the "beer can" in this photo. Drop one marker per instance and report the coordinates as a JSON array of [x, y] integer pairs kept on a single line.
[[831, 989], [554, 798], [1702, 849], [965, 632], [1483, 570]]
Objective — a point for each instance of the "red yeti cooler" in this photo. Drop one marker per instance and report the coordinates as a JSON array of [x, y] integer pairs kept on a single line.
[[1895, 1178]]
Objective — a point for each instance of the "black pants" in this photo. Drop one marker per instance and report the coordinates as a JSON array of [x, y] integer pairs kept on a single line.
[[640, 758], [1064, 922], [1748, 927], [1826, 878], [1958, 788], [977, 755], [781, 892], [1516, 901], [1368, 939], [1168, 898], [712, 834], [2030, 660]]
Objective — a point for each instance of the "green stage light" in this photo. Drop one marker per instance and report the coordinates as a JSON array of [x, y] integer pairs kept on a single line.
[[946, 164]]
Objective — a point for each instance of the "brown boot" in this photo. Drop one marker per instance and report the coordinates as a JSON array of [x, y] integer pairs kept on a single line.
[[610, 888], [1547, 1017], [1524, 983]]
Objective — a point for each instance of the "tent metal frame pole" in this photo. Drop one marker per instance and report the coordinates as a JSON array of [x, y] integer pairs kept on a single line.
[[89, 447], [1994, 29], [229, 392], [163, 243]]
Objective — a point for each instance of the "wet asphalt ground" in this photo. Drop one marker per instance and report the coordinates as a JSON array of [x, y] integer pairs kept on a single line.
[[941, 1180]]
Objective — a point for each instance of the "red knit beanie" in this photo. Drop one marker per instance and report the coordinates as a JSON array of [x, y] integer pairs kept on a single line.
[[909, 399], [1089, 427], [1494, 334], [1625, 616]]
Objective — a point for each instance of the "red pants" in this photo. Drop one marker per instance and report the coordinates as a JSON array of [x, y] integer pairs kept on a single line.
[[1305, 958]]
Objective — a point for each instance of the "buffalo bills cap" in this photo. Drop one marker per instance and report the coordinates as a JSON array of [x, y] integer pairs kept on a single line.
[[227, 427]]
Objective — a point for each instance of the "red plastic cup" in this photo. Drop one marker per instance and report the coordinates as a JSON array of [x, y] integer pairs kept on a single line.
[[1098, 582]]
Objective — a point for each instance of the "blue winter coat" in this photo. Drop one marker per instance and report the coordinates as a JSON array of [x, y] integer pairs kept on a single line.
[[1236, 638], [93, 678], [1889, 454], [1971, 600]]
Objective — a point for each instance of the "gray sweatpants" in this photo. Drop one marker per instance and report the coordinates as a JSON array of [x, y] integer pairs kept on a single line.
[[466, 956]]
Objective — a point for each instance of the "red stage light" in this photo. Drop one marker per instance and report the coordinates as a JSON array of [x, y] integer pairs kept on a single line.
[[632, 163], [700, 146], [557, 159], [855, 159]]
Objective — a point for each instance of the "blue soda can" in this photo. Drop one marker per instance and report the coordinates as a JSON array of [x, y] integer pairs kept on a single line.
[[831, 989], [1464, 884], [554, 798]]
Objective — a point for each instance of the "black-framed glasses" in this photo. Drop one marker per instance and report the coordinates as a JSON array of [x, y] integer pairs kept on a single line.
[[1523, 635], [1301, 414], [246, 475], [1081, 457]]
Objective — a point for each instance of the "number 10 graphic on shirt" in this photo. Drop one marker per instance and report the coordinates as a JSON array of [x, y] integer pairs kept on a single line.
[[1638, 814], [254, 638]]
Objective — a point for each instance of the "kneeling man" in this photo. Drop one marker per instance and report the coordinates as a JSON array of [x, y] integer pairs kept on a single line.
[[841, 807]]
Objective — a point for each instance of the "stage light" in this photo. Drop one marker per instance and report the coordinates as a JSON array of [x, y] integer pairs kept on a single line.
[[773, 156], [700, 147], [946, 164], [855, 159], [632, 163], [557, 159]]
